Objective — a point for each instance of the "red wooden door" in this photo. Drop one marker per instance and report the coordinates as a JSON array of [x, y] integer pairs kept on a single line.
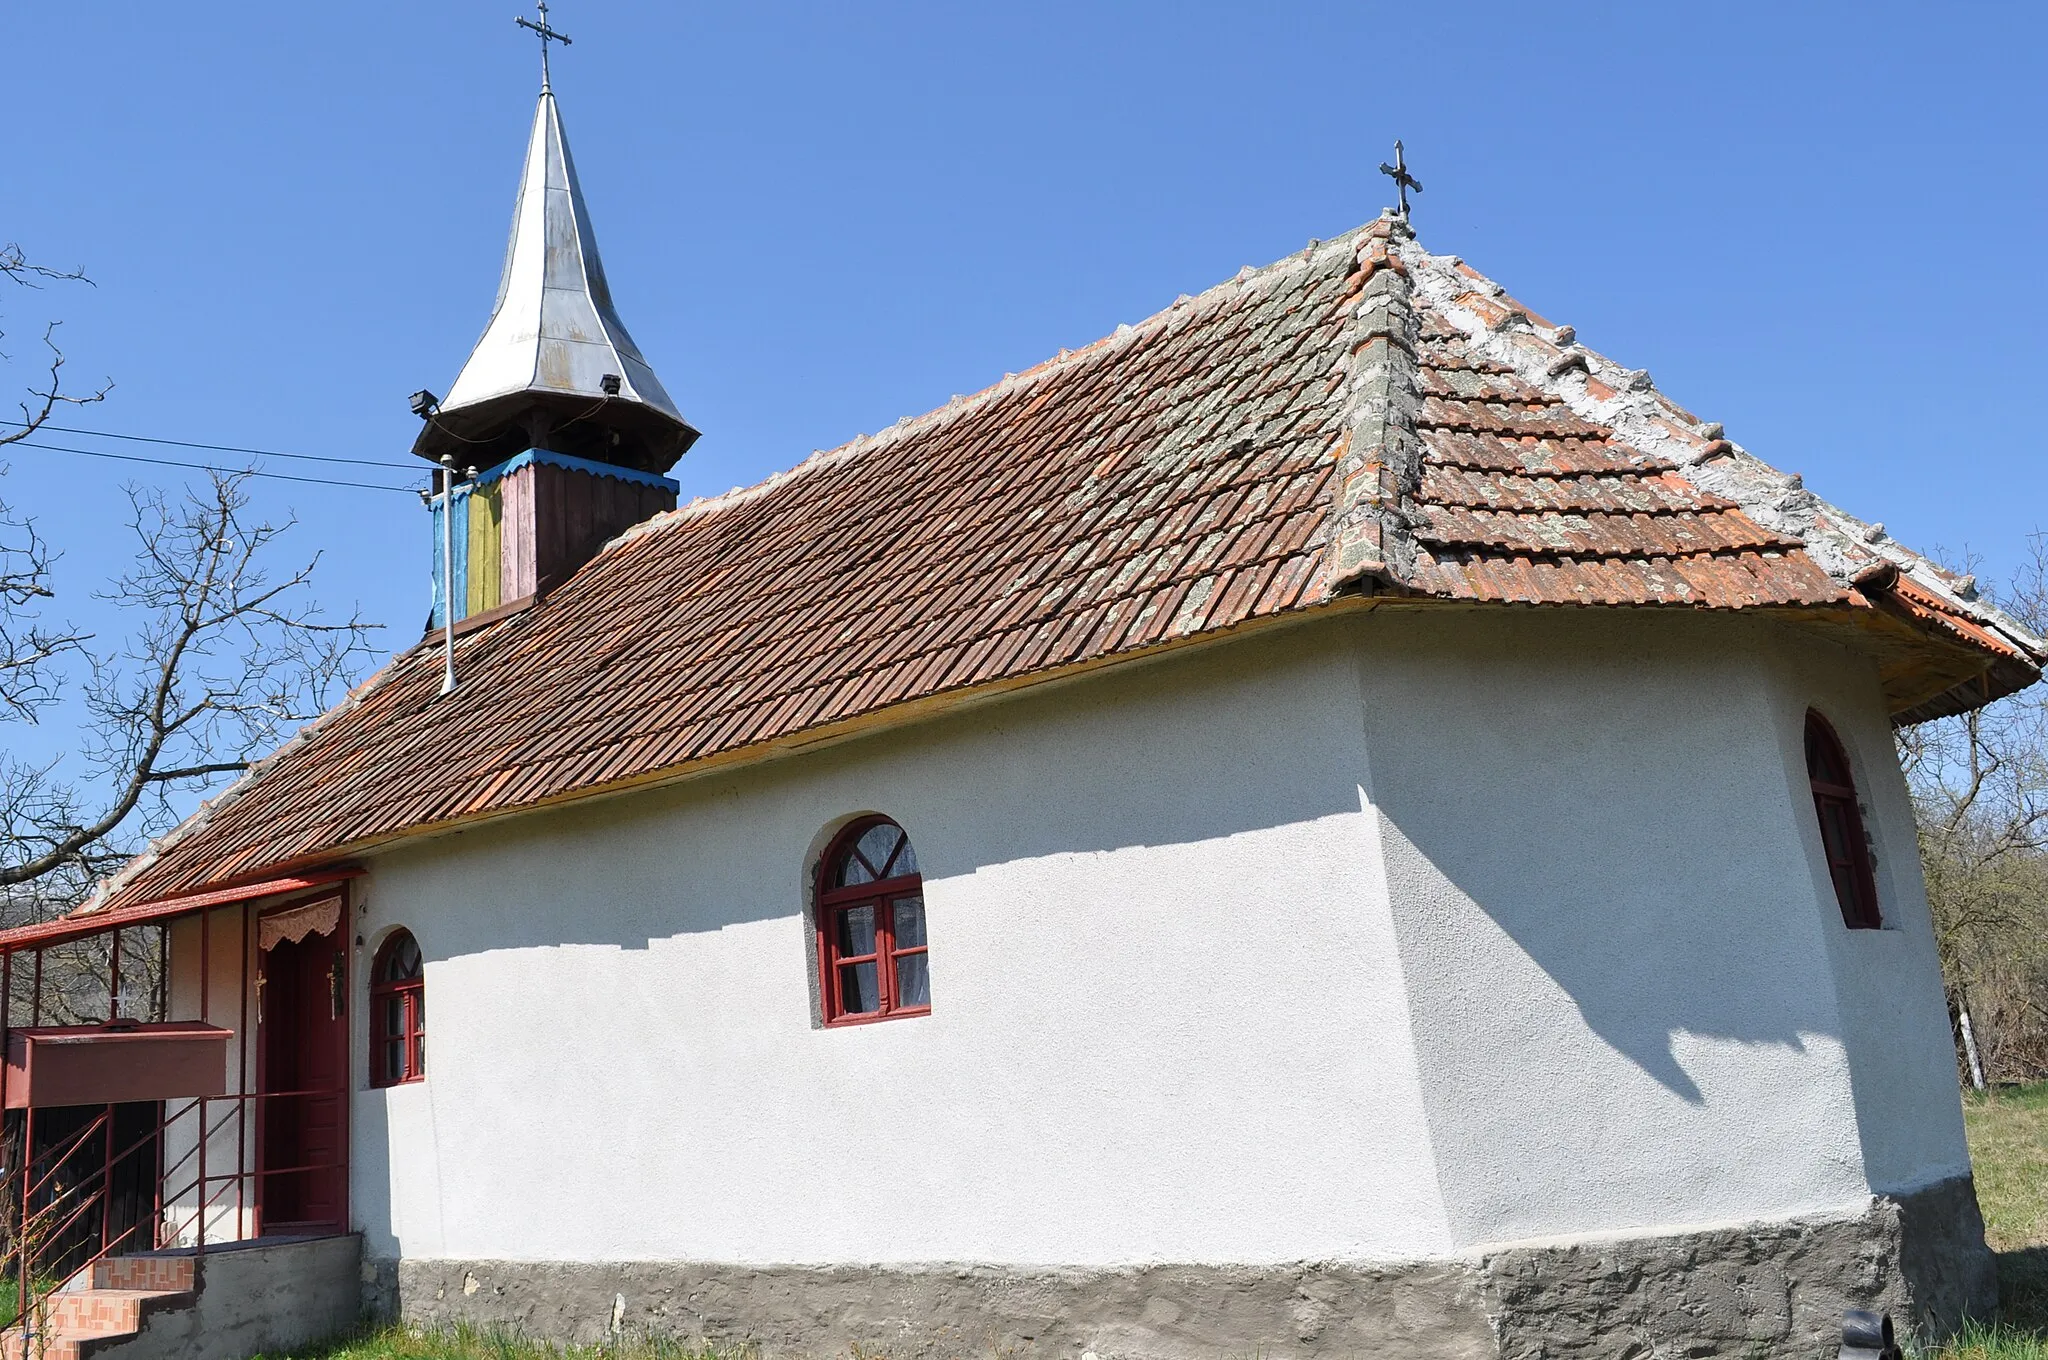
[[303, 1054]]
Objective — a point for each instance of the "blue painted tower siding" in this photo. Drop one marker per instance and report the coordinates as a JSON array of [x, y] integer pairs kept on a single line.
[[461, 556], [486, 478]]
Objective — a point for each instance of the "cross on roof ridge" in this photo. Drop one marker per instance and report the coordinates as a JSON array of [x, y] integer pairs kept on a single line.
[[1398, 172], [547, 35]]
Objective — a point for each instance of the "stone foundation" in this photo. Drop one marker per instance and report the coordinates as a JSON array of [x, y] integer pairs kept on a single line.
[[1770, 1288]]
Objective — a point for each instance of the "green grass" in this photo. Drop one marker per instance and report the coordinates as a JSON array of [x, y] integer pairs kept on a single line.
[[477, 1343], [2009, 1152], [2008, 1145], [10, 1297], [2000, 1342]]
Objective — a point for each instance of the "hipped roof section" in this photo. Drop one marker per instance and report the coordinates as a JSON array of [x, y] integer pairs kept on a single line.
[[1362, 424]]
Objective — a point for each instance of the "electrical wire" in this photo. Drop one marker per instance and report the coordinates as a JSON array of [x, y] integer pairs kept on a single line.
[[205, 467], [216, 448]]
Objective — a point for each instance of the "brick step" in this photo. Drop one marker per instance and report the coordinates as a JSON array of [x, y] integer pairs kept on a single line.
[[75, 1317], [160, 1274], [102, 1312], [54, 1348]]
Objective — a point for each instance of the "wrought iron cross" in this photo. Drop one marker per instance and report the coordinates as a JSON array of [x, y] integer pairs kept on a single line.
[[547, 35], [1398, 172]]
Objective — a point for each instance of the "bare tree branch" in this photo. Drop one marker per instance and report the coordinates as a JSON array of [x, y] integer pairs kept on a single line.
[[16, 266], [29, 649], [48, 394], [1980, 793], [224, 657]]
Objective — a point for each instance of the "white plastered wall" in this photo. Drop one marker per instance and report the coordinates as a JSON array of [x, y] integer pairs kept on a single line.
[[1168, 1020], [1626, 961], [1895, 1022], [231, 963], [1375, 938]]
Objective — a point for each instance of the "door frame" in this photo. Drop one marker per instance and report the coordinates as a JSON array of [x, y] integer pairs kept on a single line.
[[344, 1041]]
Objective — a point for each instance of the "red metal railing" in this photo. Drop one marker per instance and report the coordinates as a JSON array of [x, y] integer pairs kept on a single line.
[[59, 1189]]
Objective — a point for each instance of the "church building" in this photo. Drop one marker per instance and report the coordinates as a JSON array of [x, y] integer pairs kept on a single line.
[[1334, 820]]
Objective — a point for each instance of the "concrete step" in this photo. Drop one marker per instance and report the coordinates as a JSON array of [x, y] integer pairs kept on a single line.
[[271, 1296]]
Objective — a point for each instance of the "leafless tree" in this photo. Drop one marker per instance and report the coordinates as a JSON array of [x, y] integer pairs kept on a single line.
[[222, 650], [28, 646], [1980, 790], [46, 395], [224, 655]]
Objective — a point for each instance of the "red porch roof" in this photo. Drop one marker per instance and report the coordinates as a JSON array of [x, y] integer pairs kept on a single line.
[[78, 926]]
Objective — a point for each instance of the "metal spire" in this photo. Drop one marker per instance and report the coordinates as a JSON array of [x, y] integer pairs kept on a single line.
[[547, 35], [555, 368], [1404, 181]]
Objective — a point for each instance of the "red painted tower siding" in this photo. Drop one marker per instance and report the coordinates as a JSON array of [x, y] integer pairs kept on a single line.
[[556, 518]]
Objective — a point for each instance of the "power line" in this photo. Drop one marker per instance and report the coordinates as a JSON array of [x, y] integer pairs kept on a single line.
[[216, 448], [203, 467]]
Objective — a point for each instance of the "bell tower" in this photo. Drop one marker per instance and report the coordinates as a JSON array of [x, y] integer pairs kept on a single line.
[[569, 427]]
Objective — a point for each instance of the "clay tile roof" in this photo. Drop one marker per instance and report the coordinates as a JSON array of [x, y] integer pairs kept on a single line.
[[1361, 420]]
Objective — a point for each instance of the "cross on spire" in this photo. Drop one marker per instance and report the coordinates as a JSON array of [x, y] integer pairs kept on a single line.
[[547, 35], [1398, 172]]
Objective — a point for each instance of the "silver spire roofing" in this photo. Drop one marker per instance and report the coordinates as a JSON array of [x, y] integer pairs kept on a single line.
[[539, 376]]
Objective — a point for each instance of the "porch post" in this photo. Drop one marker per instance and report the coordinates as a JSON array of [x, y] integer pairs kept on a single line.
[[242, 1216], [7, 1040], [205, 999]]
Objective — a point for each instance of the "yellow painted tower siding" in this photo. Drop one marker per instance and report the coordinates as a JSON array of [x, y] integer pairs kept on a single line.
[[486, 573]]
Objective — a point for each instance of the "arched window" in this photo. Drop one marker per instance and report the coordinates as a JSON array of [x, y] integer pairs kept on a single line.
[[398, 1013], [1841, 825], [871, 948]]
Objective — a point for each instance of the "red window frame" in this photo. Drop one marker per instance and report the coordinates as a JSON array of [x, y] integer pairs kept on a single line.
[[880, 894], [1841, 825], [406, 997]]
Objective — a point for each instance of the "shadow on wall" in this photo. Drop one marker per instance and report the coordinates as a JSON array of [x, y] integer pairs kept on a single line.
[[1614, 822], [1251, 736]]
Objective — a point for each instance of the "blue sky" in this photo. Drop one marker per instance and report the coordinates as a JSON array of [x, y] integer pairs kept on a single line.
[[1818, 224]]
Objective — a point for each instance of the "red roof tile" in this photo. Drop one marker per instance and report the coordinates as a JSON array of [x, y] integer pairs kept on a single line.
[[1173, 479]]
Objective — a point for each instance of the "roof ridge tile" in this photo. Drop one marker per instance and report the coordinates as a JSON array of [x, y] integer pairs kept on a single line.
[[1599, 390], [1380, 468]]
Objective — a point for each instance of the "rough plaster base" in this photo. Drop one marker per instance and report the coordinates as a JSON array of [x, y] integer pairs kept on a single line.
[[266, 1297], [1777, 1288]]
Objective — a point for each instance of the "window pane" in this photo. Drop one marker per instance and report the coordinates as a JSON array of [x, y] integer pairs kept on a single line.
[[1836, 832], [1824, 760], [858, 994], [906, 860], [394, 1015], [851, 871], [401, 959], [856, 932], [394, 1060], [877, 844], [913, 980], [419, 1058], [1845, 892], [909, 922]]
